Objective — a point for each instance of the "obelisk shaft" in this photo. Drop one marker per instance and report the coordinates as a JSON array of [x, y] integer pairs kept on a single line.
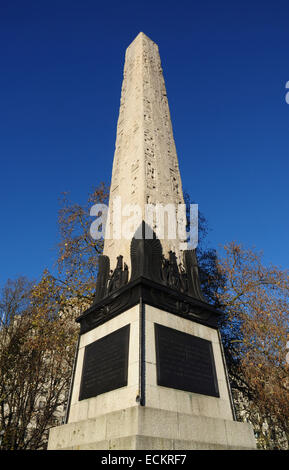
[[145, 167]]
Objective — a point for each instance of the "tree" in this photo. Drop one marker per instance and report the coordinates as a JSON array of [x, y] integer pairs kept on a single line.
[[255, 327], [78, 252], [34, 365], [38, 332], [211, 278]]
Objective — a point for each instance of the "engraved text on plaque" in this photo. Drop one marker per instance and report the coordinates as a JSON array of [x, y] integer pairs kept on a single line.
[[105, 364], [185, 362]]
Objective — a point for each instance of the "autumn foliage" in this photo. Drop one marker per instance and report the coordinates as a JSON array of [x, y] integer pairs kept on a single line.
[[38, 332], [255, 300], [36, 354]]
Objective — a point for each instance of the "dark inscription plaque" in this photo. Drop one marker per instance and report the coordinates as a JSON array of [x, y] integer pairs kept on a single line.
[[185, 362], [105, 364]]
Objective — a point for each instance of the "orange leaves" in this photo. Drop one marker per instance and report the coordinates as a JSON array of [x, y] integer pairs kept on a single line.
[[37, 340], [77, 251], [256, 301]]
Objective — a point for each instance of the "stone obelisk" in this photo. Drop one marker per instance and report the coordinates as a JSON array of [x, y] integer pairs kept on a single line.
[[145, 166], [150, 371]]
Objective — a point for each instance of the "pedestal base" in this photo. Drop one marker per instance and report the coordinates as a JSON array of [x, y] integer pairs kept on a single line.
[[144, 428], [149, 405]]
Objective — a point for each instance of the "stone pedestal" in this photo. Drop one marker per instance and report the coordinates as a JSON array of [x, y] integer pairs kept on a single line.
[[143, 428], [143, 414]]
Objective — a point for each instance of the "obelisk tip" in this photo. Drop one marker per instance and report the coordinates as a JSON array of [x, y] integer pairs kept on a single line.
[[140, 36]]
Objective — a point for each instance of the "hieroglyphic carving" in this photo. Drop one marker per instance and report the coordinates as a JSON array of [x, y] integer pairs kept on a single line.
[[146, 165]]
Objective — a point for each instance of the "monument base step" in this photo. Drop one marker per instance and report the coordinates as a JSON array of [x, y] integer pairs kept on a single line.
[[144, 428]]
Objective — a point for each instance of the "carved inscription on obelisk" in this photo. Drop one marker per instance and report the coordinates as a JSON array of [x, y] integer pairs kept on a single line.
[[145, 167]]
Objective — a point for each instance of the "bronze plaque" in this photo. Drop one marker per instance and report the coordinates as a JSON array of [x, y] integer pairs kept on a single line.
[[185, 362], [105, 364]]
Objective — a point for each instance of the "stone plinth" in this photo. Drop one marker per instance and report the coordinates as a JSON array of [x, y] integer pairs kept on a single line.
[[144, 428], [142, 414]]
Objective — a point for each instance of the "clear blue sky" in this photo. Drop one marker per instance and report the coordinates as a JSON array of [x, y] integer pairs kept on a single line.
[[225, 65]]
